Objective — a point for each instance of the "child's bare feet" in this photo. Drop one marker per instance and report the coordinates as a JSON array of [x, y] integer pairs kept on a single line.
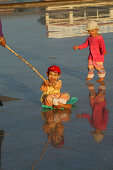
[[67, 106], [102, 83], [55, 107], [88, 79], [61, 105], [100, 79], [89, 84]]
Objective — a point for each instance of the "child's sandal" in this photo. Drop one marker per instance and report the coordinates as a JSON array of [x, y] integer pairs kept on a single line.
[[100, 79]]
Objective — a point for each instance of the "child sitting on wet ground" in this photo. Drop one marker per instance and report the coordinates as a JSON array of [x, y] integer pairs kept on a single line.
[[97, 51], [51, 90]]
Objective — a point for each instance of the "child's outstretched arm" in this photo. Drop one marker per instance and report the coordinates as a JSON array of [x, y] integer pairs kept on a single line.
[[75, 47], [80, 47], [84, 115]]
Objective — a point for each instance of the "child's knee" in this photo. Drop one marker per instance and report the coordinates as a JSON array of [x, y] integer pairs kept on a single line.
[[67, 96], [48, 100]]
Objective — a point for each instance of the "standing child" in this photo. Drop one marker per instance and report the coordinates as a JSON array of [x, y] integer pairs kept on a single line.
[[97, 51], [51, 90]]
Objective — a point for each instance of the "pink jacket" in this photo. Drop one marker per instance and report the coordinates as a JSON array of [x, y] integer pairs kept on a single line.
[[99, 117], [96, 48]]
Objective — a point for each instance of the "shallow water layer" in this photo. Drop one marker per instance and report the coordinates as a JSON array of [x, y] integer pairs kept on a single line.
[[15, 1], [32, 138]]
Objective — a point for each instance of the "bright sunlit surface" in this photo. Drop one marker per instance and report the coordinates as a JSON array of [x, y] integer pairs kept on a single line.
[[33, 138]]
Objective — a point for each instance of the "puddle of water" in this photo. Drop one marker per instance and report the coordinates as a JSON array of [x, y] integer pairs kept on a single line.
[[64, 21], [45, 36]]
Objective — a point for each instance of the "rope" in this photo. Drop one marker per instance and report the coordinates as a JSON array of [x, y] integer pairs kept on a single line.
[[25, 62]]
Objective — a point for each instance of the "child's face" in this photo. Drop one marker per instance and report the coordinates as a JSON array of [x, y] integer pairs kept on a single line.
[[53, 77], [92, 32]]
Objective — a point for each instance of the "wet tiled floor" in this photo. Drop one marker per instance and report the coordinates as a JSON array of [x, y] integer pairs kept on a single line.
[[45, 37]]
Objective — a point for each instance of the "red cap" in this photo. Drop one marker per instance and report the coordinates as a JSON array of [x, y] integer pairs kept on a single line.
[[54, 68]]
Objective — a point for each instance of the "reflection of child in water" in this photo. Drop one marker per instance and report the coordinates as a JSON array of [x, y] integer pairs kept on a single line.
[[99, 117], [54, 127], [51, 90]]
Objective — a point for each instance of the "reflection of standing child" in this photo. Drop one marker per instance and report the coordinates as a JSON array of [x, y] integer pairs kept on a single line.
[[99, 117], [51, 90], [97, 51]]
